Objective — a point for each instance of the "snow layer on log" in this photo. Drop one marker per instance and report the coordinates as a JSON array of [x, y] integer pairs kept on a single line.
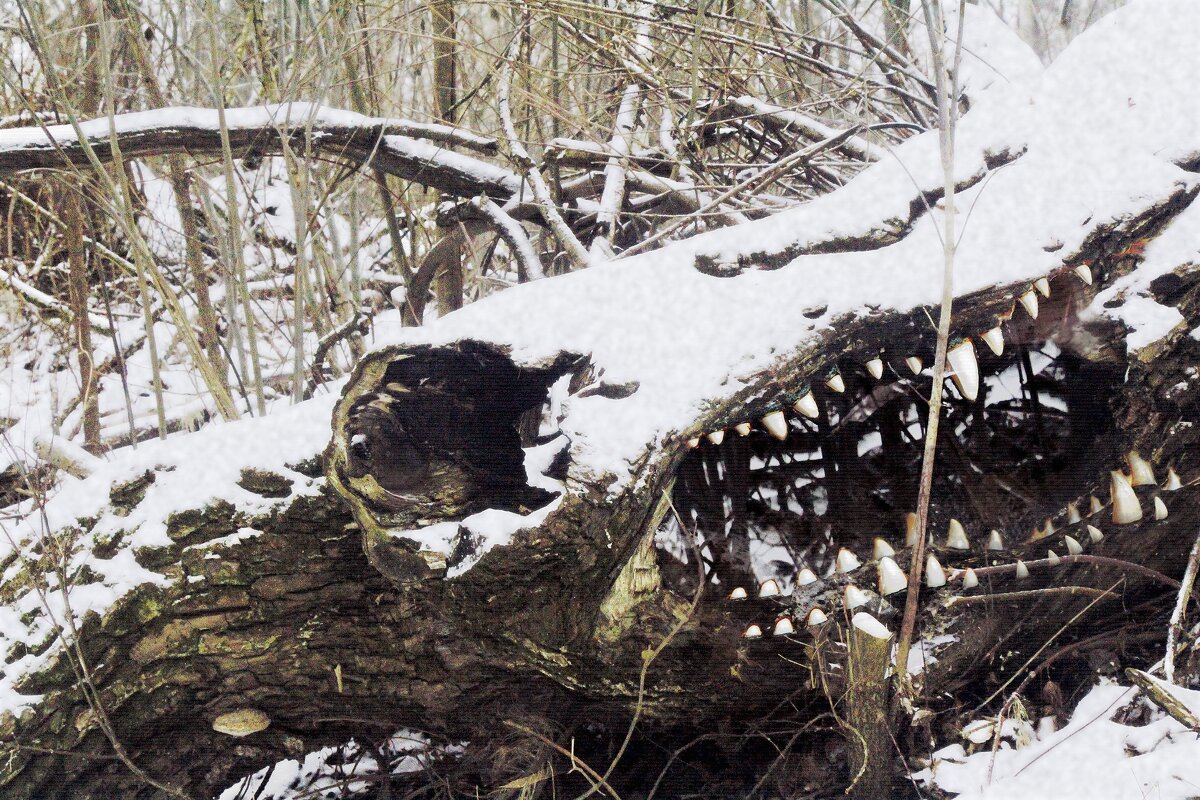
[[411, 150], [1092, 756], [1129, 299], [286, 115], [1147, 105], [686, 338], [993, 53], [190, 471]]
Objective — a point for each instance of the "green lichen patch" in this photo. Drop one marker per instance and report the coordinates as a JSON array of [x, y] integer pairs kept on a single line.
[[128, 494], [202, 524]]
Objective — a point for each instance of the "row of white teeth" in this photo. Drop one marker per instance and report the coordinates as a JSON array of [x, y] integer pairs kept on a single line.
[[964, 369], [891, 579]]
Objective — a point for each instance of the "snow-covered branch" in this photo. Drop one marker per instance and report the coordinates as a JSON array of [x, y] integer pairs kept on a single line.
[[788, 120], [408, 150]]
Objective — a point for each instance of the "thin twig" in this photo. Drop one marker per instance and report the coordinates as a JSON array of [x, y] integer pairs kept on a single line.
[[1175, 628], [575, 250], [1126, 566], [1049, 641], [947, 119], [1029, 594]]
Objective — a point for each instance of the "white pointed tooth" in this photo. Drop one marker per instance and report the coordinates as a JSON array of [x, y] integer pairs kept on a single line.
[[966, 369], [1053, 558], [783, 627], [1125, 505], [805, 577], [1073, 514], [1160, 508], [1085, 273], [854, 597], [716, 437], [847, 561], [935, 576], [910, 529], [1074, 548], [1173, 483], [1140, 471], [836, 383], [994, 339], [694, 441], [816, 617], [875, 367], [995, 540], [1029, 303], [738, 594], [807, 406], [914, 363], [1094, 505], [1043, 286], [752, 632], [776, 425], [1022, 571], [970, 579], [891, 577], [956, 537], [769, 588], [1094, 534], [882, 549], [1042, 533], [742, 428]]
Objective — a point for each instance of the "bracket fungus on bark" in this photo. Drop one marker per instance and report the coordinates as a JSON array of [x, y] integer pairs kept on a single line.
[[241, 722]]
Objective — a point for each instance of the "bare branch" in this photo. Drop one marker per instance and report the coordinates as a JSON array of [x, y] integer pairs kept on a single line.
[[578, 254]]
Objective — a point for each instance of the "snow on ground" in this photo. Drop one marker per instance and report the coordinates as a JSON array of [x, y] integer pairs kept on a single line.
[[1092, 757], [344, 771], [924, 652]]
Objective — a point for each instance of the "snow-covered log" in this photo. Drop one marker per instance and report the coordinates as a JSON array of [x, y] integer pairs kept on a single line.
[[409, 150], [514, 502]]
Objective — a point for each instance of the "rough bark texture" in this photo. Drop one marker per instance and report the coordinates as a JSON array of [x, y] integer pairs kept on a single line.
[[867, 705]]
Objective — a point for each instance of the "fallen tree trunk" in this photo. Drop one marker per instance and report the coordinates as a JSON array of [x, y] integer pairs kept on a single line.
[[540, 527], [280, 611]]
